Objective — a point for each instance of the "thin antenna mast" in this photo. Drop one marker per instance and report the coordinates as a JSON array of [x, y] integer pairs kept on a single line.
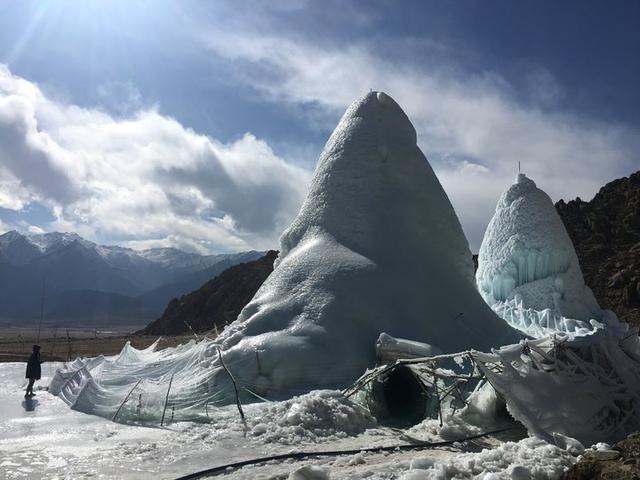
[[42, 307]]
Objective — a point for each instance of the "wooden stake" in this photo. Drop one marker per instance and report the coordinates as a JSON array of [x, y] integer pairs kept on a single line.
[[68, 346], [125, 400], [235, 388], [93, 344], [166, 399], [41, 309], [192, 331], [53, 348]]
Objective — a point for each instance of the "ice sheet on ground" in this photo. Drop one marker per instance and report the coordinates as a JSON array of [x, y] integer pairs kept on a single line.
[[53, 441]]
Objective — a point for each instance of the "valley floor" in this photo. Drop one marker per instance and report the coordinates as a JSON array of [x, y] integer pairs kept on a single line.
[[62, 344]]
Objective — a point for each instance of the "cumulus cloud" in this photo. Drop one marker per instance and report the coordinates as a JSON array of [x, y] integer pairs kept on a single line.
[[143, 178], [473, 128]]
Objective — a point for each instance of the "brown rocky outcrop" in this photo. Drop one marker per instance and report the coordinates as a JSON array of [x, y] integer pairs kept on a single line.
[[217, 303], [606, 236]]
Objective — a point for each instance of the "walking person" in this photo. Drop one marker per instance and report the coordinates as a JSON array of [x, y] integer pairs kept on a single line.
[[33, 370]]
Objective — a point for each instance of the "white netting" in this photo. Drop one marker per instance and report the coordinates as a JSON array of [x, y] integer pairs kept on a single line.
[[143, 385]]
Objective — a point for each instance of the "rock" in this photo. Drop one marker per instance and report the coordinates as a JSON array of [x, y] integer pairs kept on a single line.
[[310, 472], [518, 472], [604, 454], [217, 303], [606, 236], [620, 462]]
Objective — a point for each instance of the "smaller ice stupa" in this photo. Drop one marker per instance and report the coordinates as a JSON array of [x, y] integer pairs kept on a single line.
[[528, 270]]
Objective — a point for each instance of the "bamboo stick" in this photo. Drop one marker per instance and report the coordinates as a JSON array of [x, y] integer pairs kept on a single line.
[[235, 387], [115, 415], [166, 399]]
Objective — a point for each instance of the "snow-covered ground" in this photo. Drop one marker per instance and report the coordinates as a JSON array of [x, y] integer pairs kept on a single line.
[[43, 438]]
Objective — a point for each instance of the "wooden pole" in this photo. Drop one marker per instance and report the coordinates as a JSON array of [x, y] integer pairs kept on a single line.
[[192, 331], [53, 348], [41, 308], [166, 399], [235, 388], [93, 344], [68, 346], [125, 401]]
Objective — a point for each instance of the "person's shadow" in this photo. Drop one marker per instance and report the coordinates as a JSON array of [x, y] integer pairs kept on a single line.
[[29, 404]]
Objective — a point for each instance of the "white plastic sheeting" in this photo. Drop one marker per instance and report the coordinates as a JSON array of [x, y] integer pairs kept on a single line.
[[581, 377], [585, 387], [101, 385]]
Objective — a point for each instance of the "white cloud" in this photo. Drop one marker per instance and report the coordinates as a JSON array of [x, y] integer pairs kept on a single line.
[[144, 178], [476, 119], [35, 229]]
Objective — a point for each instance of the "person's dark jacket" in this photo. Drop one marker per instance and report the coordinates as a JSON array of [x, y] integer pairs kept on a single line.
[[33, 366]]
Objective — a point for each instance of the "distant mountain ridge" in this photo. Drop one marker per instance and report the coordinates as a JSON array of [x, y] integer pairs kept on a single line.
[[119, 277]]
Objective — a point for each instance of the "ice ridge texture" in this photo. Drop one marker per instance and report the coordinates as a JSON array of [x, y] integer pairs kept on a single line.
[[376, 247], [528, 270]]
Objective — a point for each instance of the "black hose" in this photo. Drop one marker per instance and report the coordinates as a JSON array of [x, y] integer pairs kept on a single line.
[[332, 453]]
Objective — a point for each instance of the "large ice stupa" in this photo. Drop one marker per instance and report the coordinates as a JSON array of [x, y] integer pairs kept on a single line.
[[376, 247], [528, 269]]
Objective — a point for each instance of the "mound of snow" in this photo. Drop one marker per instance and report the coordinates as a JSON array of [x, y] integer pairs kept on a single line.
[[318, 415], [526, 459], [528, 270], [376, 247]]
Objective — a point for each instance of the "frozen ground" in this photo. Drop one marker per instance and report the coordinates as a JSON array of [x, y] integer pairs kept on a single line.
[[45, 439]]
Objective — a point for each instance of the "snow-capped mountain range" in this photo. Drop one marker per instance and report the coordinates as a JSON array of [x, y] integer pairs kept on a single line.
[[97, 281]]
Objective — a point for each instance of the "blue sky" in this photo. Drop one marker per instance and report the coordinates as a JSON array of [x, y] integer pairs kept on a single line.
[[198, 124]]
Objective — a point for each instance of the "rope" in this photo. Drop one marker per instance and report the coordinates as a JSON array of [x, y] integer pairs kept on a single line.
[[332, 453]]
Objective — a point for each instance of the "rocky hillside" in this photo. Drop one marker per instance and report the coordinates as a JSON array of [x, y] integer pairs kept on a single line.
[[215, 304], [606, 235]]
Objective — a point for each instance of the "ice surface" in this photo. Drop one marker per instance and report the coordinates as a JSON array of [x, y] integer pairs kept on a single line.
[[390, 349], [52, 441], [376, 247], [528, 270]]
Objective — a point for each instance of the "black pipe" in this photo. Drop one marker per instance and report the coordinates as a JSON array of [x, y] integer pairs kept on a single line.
[[332, 453]]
